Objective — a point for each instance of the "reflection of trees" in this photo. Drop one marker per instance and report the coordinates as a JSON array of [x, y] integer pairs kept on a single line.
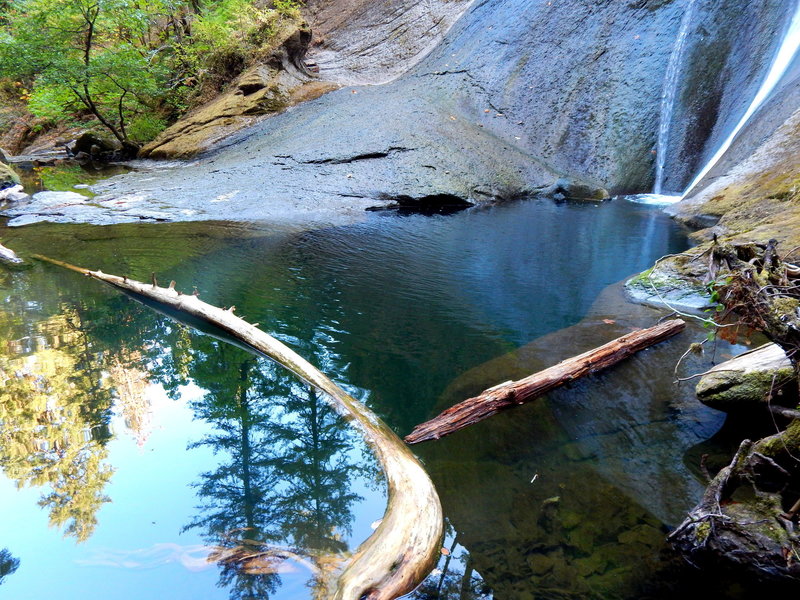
[[56, 398], [454, 576], [54, 411], [237, 496], [312, 460], [8, 564], [283, 487]]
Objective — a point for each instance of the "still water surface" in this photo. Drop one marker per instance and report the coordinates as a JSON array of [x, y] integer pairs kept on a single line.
[[143, 459]]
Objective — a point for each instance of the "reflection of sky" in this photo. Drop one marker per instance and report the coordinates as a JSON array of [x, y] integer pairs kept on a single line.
[[149, 505], [393, 309], [138, 550]]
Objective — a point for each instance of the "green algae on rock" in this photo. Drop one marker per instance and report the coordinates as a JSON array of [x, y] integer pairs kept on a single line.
[[750, 380]]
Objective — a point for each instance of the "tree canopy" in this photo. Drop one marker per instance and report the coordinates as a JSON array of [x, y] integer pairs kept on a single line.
[[131, 65]]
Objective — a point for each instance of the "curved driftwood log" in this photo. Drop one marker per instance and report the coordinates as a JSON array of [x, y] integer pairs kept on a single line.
[[406, 544], [9, 256], [512, 393]]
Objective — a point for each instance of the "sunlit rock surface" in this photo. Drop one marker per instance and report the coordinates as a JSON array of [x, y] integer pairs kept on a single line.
[[515, 96]]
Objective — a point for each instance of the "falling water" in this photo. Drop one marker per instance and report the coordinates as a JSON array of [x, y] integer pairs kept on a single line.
[[668, 94], [788, 48]]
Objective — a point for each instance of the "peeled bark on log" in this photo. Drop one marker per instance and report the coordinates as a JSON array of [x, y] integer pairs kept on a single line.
[[406, 544], [513, 393]]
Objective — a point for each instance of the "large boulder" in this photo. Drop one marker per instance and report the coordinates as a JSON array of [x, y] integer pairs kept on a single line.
[[749, 380], [93, 145], [566, 189]]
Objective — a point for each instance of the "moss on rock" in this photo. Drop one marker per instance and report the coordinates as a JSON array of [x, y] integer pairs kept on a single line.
[[747, 381], [8, 178], [275, 83]]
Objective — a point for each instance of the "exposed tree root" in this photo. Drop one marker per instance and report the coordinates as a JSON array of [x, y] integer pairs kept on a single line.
[[747, 517]]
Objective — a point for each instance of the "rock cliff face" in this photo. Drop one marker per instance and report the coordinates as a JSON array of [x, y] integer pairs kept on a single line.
[[731, 46], [514, 95], [365, 42], [753, 193]]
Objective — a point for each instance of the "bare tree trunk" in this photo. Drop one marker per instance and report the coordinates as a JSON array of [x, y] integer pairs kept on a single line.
[[406, 544], [512, 393]]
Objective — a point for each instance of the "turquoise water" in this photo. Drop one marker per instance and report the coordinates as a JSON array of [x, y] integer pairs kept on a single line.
[[143, 459]]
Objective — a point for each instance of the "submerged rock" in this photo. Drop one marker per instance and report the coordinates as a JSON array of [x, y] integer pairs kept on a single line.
[[674, 283], [9, 256], [748, 381]]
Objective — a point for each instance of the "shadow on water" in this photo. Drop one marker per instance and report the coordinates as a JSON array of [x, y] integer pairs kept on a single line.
[[568, 497]]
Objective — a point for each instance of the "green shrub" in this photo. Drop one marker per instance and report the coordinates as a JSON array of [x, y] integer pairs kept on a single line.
[[145, 128]]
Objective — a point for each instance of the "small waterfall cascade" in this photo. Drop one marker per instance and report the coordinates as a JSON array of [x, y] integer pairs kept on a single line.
[[788, 48], [668, 94]]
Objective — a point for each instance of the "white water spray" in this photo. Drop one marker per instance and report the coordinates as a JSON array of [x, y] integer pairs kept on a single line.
[[668, 94], [781, 62]]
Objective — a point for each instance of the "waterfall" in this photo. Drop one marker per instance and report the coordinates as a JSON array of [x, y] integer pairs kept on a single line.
[[668, 94], [786, 52]]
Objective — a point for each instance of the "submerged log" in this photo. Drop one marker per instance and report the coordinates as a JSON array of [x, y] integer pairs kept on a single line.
[[406, 544], [512, 393]]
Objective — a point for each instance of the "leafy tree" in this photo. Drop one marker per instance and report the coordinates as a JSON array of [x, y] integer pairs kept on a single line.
[[81, 55], [131, 64]]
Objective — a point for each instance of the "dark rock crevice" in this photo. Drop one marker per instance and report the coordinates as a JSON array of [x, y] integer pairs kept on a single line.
[[356, 158]]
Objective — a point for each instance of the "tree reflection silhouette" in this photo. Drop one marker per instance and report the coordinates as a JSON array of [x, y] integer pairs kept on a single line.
[[8, 564], [282, 487]]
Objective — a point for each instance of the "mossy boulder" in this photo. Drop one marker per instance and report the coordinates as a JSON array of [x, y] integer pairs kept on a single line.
[[674, 282], [749, 380], [566, 189], [8, 178], [740, 523]]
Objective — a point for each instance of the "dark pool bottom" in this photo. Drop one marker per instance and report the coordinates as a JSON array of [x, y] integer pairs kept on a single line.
[[172, 456]]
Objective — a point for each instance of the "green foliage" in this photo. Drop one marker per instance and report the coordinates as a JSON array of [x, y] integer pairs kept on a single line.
[[290, 8], [131, 65], [226, 39], [145, 127], [717, 307], [52, 102]]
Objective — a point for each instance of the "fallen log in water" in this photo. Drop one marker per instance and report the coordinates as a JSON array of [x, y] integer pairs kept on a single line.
[[9, 256], [406, 544], [512, 393]]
